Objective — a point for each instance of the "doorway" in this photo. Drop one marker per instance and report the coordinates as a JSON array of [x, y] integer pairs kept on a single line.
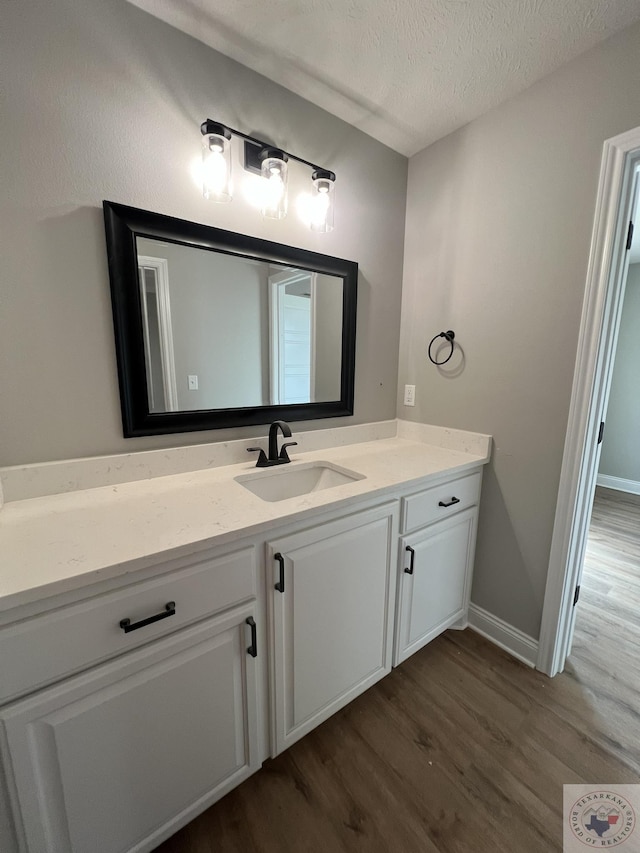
[[292, 298], [162, 390], [606, 278], [609, 588], [619, 468]]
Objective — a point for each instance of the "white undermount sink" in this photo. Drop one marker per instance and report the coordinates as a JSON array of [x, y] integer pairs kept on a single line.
[[291, 481]]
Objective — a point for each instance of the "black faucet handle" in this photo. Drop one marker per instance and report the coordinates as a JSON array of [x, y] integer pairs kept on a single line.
[[283, 450], [262, 459]]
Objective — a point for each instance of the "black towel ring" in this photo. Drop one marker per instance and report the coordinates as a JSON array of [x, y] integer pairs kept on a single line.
[[449, 336]]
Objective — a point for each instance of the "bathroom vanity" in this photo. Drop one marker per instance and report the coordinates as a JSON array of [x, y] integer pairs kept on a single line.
[[160, 638]]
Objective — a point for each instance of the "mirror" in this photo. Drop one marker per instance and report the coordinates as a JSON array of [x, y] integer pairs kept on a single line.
[[217, 329]]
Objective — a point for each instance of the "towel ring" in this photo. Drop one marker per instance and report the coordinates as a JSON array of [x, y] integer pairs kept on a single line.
[[448, 336]]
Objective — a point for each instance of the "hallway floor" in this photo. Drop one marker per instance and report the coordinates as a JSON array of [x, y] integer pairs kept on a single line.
[[461, 749]]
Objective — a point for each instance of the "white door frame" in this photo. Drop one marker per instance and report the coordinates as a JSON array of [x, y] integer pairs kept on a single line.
[[592, 378], [161, 268], [277, 285]]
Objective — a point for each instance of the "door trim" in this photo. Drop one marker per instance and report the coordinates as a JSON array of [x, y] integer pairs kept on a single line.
[[167, 356], [277, 288], [594, 361]]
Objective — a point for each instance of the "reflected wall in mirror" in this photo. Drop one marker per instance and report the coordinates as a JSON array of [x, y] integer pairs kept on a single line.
[[278, 326], [216, 329]]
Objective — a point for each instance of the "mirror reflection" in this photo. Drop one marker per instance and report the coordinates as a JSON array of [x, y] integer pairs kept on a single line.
[[224, 331]]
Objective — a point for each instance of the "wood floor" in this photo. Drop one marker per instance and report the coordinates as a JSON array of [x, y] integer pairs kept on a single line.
[[461, 749]]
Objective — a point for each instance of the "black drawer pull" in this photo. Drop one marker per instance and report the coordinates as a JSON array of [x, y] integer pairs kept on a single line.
[[451, 502], [253, 648], [169, 610], [280, 585], [409, 571]]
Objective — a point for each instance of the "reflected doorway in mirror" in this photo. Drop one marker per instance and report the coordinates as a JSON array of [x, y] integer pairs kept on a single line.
[[158, 336]]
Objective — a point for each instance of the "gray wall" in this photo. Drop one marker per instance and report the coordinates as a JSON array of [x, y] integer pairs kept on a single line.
[[102, 101], [621, 446], [499, 221], [328, 333]]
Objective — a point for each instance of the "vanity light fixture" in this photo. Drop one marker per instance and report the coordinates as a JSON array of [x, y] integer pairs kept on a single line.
[[216, 163], [272, 164]]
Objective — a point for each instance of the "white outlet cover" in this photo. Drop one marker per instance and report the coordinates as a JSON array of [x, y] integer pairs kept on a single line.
[[193, 383], [409, 395]]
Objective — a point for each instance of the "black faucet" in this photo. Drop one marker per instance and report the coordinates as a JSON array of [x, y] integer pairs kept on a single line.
[[274, 458]]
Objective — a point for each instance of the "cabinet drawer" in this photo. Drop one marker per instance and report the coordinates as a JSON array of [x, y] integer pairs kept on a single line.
[[440, 501], [40, 650]]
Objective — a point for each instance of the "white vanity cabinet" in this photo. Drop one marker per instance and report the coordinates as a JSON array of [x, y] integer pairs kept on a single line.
[[108, 760], [118, 757], [111, 740], [436, 562], [332, 592]]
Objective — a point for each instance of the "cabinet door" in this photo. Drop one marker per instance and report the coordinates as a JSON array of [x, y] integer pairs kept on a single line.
[[434, 581], [332, 623], [119, 758]]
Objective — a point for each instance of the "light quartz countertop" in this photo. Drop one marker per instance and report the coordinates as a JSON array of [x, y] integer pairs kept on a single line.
[[57, 543]]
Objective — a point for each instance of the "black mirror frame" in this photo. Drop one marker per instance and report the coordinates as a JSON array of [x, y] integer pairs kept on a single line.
[[123, 224]]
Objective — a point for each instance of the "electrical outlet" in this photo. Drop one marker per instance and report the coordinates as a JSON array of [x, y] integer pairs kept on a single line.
[[409, 395], [193, 383]]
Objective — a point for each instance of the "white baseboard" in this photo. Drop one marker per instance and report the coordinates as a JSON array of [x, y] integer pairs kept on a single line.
[[619, 483], [515, 642]]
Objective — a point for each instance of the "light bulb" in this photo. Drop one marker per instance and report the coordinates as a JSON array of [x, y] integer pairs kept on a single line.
[[322, 202], [274, 174], [274, 190], [215, 173], [216, 162], [319, 207]]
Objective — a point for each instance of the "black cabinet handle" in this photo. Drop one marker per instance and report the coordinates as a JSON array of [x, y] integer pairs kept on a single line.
[[253, 648], [280, 585], [409, 571], [451, 502], [169, 610]]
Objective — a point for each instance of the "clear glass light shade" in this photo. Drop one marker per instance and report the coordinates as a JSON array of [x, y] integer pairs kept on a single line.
[[275, 195], [322, 203], [216, 168]]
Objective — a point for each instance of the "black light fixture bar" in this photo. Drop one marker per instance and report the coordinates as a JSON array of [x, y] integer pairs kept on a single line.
[[252, 160]]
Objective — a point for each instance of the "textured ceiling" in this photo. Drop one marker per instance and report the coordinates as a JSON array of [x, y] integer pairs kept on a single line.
[[405, 71]]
